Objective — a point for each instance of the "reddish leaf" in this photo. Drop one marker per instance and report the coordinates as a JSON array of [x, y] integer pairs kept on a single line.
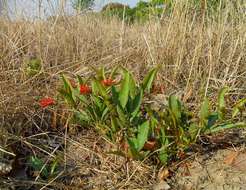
[[150, 145]]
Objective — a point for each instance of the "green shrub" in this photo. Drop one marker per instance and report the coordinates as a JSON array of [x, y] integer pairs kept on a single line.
[[117, 109], [118, 10], [144, 11], [140, 13]]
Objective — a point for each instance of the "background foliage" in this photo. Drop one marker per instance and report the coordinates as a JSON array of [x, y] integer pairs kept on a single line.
[[81, 5], [145, 10]]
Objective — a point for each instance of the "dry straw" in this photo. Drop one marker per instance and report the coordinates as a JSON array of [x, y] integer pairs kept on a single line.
[[198, 56]]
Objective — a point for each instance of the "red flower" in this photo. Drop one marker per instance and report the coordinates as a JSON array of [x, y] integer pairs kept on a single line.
[[46, 102], [84, 89], [108, 82]]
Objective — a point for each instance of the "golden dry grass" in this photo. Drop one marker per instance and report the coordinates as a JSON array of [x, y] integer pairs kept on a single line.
[[197, 57], [193, 55]]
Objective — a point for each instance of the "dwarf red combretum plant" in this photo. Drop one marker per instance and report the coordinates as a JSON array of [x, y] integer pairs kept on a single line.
[[118, 111], [45, 102]]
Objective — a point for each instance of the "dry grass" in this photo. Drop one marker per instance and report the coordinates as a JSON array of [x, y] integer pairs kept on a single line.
[[197, 57]]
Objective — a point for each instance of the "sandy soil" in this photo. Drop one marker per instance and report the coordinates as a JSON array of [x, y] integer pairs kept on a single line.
[[223, 170], [90, 167]]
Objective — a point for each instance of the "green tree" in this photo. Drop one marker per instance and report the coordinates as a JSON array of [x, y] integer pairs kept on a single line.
[[81, 5], [120, 11]]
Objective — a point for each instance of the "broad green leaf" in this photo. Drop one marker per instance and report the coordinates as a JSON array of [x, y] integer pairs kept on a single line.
[[227, 126], [37, 164], [133, 148], [124, 91], [120, 123], [114, 125], [238, 107], [82, 116], [153, 123], [142, 135], [94, 88], [221, 102], [115, 95], [212, 119], [148, 80], [68, 98], [68, 89], [67, 84], [133, 87], [193, 131], [136, 104], [98, 87], [129, 106], [164, 139], [204, 112], [163, 155], [175, 107], [121, 115]]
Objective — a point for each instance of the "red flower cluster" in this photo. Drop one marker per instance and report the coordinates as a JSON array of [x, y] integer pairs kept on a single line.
[[44, 102], [84, 89], [108, 82]]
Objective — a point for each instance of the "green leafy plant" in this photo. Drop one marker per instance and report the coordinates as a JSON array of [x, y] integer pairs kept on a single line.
[[114, 104], [222, 118], [46, 170]]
